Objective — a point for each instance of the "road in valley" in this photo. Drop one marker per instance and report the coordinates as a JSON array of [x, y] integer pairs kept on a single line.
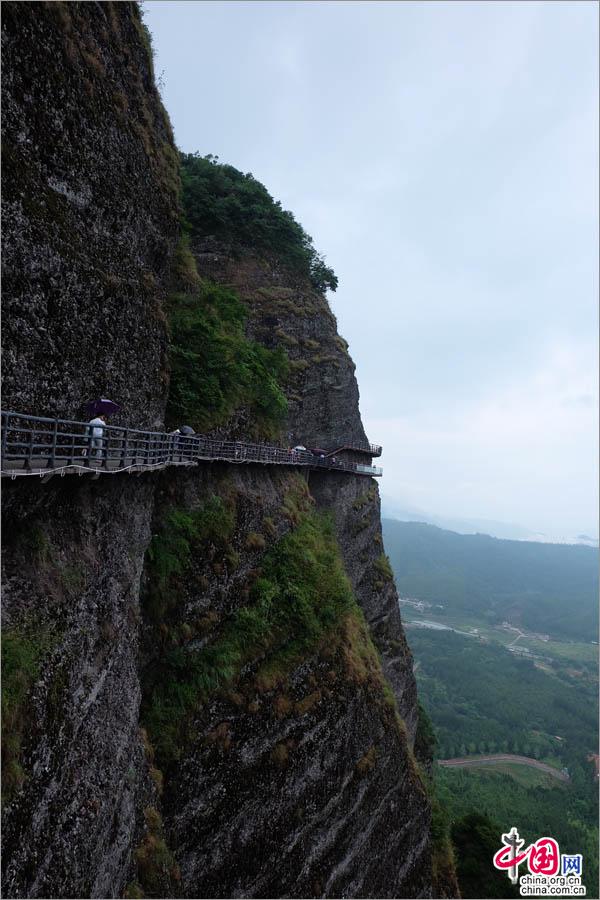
[[461, 762]]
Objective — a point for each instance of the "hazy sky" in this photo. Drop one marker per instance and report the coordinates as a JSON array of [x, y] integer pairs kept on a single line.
[[444, 157]]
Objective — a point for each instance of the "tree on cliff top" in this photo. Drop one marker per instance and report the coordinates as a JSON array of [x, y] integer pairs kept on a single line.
[[221, 201]]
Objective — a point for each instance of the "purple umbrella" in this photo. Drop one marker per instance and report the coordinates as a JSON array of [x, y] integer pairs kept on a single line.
[[101, 407]]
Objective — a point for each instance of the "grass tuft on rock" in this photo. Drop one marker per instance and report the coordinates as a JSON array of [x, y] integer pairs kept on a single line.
[[157, 869], [384, 567]]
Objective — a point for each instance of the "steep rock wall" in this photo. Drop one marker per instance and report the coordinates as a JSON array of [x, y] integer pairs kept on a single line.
[[291, 779], [357, 512], [72, 557], [298, 783], [305, 786], [90, 219], [285, 311], [323, 403], [89, 211]]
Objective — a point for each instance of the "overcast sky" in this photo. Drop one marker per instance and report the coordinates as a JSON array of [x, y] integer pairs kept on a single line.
[[444, 157]]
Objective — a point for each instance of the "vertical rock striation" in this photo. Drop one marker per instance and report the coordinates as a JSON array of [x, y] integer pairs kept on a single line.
[[72, 567]]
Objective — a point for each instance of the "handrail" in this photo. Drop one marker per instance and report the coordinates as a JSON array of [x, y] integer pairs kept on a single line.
[[347, 443], [44, 446]]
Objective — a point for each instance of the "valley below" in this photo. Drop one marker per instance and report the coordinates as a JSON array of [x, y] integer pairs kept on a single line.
[[512, 695]]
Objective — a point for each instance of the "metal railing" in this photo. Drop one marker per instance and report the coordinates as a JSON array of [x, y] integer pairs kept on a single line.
[[357, 446], [32, 445]]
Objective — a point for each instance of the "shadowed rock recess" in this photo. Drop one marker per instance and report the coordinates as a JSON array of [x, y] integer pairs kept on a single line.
[[207, 691]]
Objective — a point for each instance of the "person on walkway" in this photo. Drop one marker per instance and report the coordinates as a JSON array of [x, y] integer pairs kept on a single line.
[[175, 435], [179, 434], [96, 434]]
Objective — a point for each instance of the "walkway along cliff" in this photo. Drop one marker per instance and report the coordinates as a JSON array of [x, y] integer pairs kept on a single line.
[[33, 445], [207, 690]]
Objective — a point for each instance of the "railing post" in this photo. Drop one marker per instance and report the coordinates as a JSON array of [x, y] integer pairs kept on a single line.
[[103, 455], [87, 449], [54, 442], [5, 421], [124, 448], [29, 450]]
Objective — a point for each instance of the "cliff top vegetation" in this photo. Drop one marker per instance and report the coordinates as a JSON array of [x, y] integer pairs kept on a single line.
[[225, 203]]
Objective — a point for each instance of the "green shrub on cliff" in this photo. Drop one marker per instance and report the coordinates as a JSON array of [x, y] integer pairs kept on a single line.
[[216, 370], [223, 202], [426, 742], [21, 658], [157, 869], [170, 550], [302, 594]]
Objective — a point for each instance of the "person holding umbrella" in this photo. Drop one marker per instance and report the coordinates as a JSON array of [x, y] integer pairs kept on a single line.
[[95, 433], [99, 409]]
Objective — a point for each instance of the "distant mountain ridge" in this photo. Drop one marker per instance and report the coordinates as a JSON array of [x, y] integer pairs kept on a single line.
[[548, 588], [503, 530]]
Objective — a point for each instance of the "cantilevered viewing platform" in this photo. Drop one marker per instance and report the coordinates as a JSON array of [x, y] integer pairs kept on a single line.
[[44, 447], [348, 444]]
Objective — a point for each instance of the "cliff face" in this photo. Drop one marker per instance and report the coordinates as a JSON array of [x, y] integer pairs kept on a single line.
[[89, 211], [284, 311], [73, 555], [296, 777], [323, 411], [209, 689]]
